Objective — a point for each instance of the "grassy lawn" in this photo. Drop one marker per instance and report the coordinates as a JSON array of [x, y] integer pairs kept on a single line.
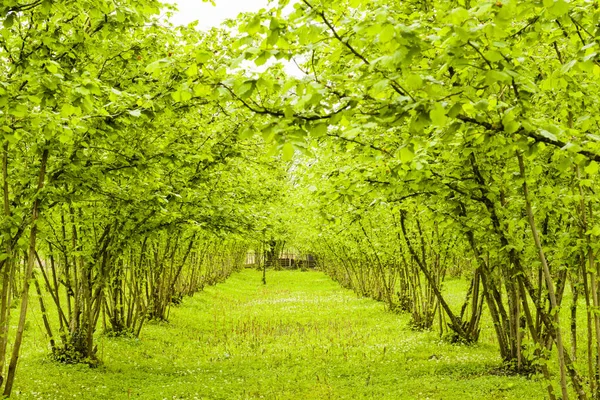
[[299, 337]]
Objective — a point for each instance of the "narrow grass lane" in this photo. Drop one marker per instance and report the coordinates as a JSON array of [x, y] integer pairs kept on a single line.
[[299, 337]]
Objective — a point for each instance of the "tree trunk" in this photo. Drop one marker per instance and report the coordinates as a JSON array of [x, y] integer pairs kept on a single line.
[[548, 279], [30, 263]]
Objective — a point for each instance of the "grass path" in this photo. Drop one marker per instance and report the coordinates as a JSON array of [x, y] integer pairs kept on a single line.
[[299, 337]]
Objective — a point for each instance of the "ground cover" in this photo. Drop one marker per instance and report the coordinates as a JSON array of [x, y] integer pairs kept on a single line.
[[299, 337]]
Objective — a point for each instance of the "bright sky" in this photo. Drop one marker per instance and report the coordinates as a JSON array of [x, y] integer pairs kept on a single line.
[[209, 15]]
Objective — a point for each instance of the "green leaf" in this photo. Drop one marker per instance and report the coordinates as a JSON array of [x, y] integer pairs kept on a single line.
[[52, 67], [246, 89], [406, 154], [202, 90], [493, 76], [247, 132], [288, 151], [595, 231], [458, 15], [273, 37], [9, 20], [66, 136], [319, 130], [387, 33], [511, 126], [592, 168], [548, 135], [414, 81], [493, 56], [203, 57], [455, 110], [289, 112], [19, 111], [67, 110], [186, 95], [559, 8], [567, 67], [192, 70], [438, 115]]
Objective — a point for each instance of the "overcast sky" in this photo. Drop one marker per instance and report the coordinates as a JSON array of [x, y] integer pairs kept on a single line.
[[209, 15]]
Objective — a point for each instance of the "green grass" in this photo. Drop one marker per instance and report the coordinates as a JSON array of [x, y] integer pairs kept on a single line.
[[299, 337]]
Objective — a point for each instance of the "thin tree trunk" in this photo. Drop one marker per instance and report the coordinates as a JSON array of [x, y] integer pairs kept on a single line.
[[30, 263], [548, 279], [7, 270]]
